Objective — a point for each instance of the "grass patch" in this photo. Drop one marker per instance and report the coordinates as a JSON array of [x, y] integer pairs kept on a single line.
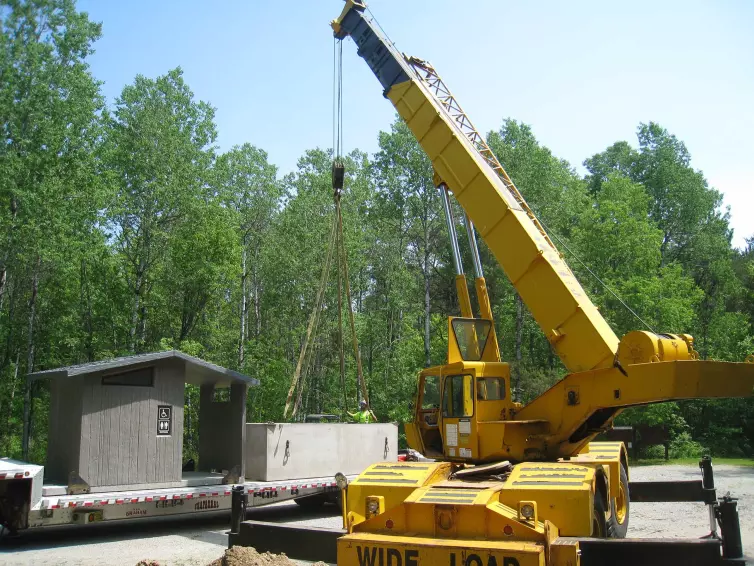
[[748, 462]]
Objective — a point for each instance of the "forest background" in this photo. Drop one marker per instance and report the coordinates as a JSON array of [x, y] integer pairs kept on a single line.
[[123, 230]]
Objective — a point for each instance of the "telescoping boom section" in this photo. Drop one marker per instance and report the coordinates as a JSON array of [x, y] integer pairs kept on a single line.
[[572, 324]]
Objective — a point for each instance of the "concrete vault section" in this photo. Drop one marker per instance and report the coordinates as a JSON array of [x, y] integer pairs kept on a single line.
[[282, 451]]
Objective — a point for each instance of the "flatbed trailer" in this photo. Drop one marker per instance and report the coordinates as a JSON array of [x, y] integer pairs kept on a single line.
[[27, 503]]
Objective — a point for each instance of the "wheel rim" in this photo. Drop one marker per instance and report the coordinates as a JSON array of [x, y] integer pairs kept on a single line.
[[621, 505]]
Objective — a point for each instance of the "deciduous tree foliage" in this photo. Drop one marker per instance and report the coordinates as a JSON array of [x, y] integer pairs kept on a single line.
[[122, 230]]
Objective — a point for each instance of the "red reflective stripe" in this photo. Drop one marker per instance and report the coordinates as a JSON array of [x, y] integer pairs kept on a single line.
[[2, 476], [103, 502], [88, 503], [162, 498], [135, 500], [19, 475], [118, 501], [189, 495], [148, 499], [54, 506], [227, 493], [71, 504], [176, 497], [202, 495], [215, 493]]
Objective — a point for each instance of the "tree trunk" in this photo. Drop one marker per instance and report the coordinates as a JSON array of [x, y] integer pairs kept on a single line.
[[242, 337], [427, 325], [138, 284], [142, 340], [86, 300], [30, 361], [257, 295], [6, 256], [9, 412], [518, 339], [427, 322]]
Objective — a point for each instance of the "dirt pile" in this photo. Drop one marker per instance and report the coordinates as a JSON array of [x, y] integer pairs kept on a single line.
[[247, 556]]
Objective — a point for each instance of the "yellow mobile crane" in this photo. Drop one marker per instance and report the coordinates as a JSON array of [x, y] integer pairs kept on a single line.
[[512, 484]]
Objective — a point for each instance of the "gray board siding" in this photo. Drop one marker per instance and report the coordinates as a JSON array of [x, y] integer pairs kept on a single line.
[[64, 435], [119, 442]]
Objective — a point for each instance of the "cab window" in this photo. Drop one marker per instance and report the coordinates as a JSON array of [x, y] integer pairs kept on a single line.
[[431, 393], [459, 391], [490, 388]]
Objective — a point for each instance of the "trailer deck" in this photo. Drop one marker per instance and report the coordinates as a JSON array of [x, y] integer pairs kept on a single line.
[[200, 492]]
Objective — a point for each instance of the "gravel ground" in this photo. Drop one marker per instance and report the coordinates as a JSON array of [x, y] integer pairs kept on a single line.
[[196, 541], [691, 520]]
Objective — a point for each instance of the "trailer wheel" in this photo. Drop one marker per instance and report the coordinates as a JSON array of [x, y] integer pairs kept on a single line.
[[599, 524], [617, 525]]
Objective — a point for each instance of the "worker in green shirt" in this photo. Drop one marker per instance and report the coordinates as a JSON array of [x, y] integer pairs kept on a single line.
[[364, 415]]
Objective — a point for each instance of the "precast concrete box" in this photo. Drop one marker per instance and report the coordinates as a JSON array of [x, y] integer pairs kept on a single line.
[[283, 451]]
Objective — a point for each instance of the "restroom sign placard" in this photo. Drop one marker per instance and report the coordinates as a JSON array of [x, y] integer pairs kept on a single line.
[[164, 420]]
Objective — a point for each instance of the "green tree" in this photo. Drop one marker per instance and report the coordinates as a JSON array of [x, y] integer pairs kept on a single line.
[[49, 105], [695, 230], [403, 175], [250, 189], [160, 154]]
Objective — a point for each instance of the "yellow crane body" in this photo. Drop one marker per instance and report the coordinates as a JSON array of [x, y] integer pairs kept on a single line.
[[511, 483]]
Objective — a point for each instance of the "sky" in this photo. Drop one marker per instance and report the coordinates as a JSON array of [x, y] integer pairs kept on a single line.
[[582, 74]]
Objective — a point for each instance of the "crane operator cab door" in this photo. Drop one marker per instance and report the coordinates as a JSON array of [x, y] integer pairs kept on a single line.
[[472, 388], [458, 427], [423, 434]]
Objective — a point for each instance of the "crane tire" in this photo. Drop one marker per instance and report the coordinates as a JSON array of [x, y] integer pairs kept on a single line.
[[599, 525], [617, 524]]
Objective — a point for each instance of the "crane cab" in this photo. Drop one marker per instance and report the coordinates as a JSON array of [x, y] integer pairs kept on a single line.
[[455, 399]]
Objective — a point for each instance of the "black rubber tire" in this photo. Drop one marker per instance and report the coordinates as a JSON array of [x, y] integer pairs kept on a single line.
[[311, 502], [616, 529], [599, 524]]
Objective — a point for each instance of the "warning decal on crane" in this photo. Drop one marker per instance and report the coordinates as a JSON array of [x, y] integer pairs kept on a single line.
[[164, 414], [451, 434]]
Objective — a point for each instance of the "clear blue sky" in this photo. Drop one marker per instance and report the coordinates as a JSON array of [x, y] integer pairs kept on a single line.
[[582, 74]]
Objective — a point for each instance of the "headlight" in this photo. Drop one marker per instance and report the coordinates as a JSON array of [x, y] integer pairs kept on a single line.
[[527, 510], [375, 505]]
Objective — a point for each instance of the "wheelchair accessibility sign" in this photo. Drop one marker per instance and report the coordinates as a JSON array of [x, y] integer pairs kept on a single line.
[[164, 420]]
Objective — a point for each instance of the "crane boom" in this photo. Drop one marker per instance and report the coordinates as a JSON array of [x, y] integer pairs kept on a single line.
[[462, 160]]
